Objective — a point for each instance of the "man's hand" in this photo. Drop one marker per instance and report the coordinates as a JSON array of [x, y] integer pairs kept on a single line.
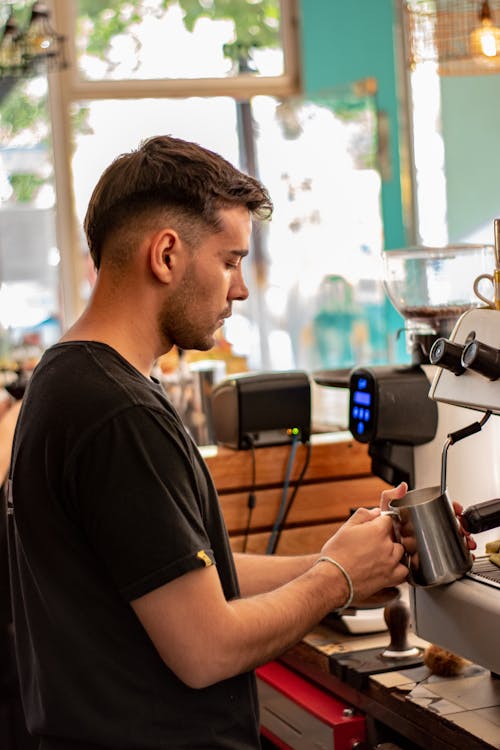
[[365, 547], [471, 544], [393, 494]]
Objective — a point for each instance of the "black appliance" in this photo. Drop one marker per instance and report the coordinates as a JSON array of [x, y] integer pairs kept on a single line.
[[264, 408]]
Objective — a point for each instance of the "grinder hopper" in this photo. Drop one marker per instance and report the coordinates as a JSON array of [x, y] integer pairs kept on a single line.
[[431, 287]]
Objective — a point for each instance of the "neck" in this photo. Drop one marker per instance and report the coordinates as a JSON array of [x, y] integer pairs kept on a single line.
[[112, 319]]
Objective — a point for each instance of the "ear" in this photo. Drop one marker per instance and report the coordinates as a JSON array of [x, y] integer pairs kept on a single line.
[[164, 250]]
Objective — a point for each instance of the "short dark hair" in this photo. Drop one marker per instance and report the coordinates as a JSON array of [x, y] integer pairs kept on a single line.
[[169, 173]]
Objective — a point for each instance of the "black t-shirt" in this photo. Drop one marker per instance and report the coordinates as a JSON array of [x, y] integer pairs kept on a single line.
[[111, 500]]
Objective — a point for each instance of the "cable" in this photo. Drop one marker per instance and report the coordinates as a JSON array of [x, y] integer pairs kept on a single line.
[[271, 546], [251, 502], [294, 493]]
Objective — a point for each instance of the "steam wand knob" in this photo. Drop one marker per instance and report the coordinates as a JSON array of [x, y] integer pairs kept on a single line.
[[482, 358], [448, 355]]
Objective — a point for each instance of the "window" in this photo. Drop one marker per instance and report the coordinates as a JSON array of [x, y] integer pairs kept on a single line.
[[142, 67], [29, 257], [117, 40]]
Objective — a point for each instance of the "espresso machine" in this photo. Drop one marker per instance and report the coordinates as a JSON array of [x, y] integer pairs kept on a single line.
[[463, 616], [406, 414]]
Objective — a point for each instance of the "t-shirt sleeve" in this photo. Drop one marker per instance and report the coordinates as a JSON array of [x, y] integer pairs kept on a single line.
[[134, 490]]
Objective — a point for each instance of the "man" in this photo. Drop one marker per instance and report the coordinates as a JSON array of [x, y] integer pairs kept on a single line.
[[136, 627]]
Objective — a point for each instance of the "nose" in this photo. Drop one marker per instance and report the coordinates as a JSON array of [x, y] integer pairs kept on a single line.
[[238, 290]]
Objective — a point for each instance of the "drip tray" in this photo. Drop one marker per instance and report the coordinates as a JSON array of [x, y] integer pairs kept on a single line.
[[485, 571]]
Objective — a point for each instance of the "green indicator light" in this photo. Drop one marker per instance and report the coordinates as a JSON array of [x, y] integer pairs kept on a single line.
[[295, 430]]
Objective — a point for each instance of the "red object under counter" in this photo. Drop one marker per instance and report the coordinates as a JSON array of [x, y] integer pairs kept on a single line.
[[298, 715]]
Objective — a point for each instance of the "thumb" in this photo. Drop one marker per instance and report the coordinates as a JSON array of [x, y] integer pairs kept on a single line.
[[393, 494]]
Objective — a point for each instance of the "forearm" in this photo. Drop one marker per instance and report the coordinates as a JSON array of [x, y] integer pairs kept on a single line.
[[245, 633], [264, 626], [260, 573]]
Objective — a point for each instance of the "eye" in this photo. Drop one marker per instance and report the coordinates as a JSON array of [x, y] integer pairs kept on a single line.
[[233, 262]]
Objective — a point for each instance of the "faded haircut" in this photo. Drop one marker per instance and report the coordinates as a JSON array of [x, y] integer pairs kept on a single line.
[[171, 177]]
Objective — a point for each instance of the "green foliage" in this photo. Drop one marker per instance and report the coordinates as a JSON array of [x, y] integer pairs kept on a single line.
[[79, 120], [25, 186], [108, 21], [256, 22], [21, 12], [19, 111]]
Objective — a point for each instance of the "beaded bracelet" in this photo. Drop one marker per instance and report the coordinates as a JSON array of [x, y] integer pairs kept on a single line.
[[325, 558]]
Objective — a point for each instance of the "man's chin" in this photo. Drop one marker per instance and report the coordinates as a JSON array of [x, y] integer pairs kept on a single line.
[[203, 345]]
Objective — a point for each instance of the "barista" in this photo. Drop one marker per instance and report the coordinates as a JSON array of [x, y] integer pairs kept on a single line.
[[135, 624]]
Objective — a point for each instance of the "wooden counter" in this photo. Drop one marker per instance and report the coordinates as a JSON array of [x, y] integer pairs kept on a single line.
[[338, 479], [409, 707]]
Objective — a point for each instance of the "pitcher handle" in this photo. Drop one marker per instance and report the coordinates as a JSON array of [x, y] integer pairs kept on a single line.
[[394, 514]]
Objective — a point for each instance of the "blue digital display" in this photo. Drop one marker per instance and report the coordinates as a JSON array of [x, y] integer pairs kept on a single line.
[[362, 383], [363, 398]]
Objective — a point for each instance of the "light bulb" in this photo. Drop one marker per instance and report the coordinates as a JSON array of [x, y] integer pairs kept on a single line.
[[485, 39], [40, 40]]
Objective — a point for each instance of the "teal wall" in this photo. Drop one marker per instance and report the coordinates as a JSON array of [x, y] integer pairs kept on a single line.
[[345, 41], [348, 40], [470, 114]]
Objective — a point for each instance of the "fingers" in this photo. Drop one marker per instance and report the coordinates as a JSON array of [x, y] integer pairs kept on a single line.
[[409, 543], [398, 551], [393, 494], [400, 574], [362, 515], [471, 544], [365, 546]]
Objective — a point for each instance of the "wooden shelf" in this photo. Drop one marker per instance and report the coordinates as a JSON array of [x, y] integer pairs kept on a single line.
[[338, 480]]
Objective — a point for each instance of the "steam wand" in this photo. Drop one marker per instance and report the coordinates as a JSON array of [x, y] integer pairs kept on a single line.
[[483, 516], [454, 437]]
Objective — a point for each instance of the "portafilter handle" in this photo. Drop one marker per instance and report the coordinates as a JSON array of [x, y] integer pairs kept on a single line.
[[482, 517]]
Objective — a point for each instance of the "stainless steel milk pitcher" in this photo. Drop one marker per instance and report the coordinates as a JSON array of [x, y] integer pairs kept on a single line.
[[426, 524]]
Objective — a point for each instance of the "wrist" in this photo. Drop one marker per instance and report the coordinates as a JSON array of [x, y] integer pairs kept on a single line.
[[326, 560]]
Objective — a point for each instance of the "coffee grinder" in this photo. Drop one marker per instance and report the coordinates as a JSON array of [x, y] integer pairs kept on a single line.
[[405, 430]]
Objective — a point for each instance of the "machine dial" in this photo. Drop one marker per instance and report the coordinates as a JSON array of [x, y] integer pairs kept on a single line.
[[482, 358]]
